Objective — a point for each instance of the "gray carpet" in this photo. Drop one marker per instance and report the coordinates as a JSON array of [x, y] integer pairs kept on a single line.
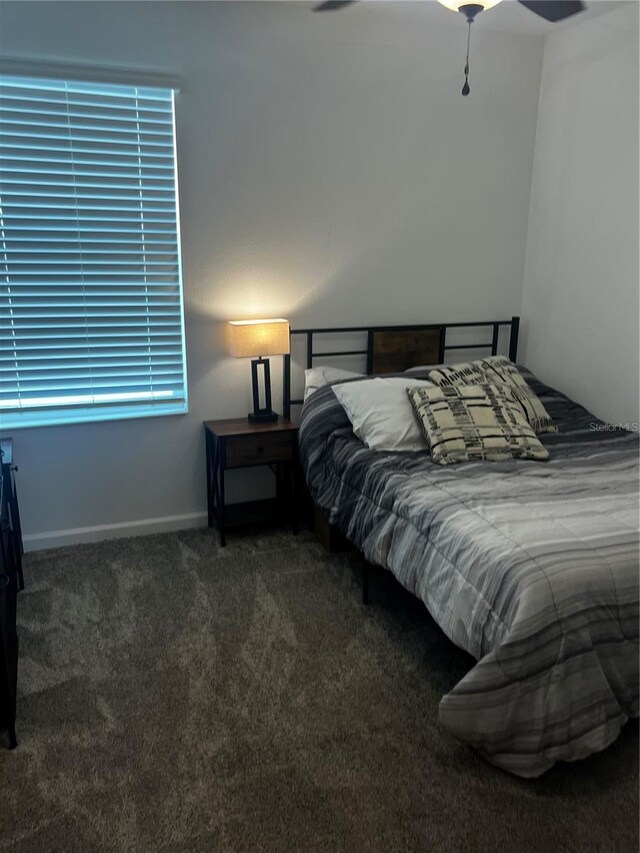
[[175, 696]]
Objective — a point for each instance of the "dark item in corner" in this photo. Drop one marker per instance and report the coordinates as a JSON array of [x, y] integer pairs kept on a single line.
[[236, 443], [8, 469], [11, 581], [264, 414]]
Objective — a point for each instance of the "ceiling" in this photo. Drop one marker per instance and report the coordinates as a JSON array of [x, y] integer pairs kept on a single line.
[[508, 16]]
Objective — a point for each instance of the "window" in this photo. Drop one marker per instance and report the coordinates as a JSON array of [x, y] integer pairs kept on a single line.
[[91, 313]]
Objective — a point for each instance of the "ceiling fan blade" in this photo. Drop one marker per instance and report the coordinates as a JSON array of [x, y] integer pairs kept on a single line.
[[332, 5], [554, 10]]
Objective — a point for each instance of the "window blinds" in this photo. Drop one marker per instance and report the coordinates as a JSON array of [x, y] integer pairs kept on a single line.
[[91, 313]]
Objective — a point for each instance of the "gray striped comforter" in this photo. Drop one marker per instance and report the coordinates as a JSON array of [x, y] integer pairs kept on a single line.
[[531, 567]]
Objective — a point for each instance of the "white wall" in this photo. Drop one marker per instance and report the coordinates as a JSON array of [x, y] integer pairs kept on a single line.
[[580, 298], [330, 172]]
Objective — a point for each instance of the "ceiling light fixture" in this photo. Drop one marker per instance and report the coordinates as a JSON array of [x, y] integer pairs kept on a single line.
[[469, 10], [548, 10]]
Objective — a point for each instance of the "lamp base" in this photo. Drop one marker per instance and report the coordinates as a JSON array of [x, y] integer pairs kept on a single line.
[[261, 414], [262, 417]]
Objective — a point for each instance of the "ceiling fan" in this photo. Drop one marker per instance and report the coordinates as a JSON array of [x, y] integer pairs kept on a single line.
[[550, 10]]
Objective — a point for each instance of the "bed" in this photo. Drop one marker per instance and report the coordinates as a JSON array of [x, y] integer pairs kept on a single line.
[[532, 568]]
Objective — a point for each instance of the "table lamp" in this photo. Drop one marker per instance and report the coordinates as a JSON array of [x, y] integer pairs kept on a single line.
[[251, 338]]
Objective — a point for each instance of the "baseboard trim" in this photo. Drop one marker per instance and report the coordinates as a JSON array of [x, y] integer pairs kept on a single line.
[[98, 532]]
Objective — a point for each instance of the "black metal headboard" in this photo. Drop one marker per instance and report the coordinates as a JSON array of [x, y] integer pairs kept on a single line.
[[387, 344]]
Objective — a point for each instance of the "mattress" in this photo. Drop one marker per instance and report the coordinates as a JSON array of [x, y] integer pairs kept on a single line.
[[531, 567]]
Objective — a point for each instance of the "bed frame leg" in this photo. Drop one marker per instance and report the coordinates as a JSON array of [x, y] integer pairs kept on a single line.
[[365, 584]]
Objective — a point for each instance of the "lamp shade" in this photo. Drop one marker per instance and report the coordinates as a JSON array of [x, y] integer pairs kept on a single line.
[[253, 338], [455, 5]]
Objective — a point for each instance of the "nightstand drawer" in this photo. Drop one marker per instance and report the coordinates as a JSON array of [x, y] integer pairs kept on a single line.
[[259, 449]]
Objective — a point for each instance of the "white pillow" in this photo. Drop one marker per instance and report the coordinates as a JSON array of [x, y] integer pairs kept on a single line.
[[381, 413], [317, 377], [422, 367]]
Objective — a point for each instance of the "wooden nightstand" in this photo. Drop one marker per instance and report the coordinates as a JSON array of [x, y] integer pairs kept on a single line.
[[237, 443]]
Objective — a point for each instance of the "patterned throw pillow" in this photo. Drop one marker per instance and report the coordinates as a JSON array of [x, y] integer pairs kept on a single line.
[[464, 423], [498, 370]]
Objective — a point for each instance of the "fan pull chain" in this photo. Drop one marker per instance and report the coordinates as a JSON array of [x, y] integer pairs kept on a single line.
[[465, 88]]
